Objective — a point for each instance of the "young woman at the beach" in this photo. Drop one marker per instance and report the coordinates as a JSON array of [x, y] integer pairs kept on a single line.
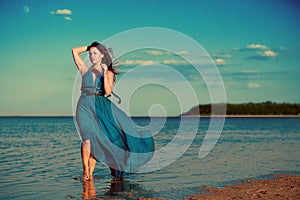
[[106, 132]]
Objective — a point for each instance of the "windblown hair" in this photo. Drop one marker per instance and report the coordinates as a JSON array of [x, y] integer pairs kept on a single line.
[[107, 59]]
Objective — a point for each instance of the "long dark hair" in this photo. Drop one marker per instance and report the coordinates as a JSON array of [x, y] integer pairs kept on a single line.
[[107, 59]]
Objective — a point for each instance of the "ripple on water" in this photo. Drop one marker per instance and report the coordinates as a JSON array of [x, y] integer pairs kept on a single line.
[[40, 157]]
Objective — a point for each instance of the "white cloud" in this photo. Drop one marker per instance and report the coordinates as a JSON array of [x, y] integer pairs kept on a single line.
[[257, 46], [137, 62], [182, 52], [127, 62], [26, 9], [253, 85], [68, 18], [144, 62], [262, 52], [220, 61], [61, 12], [155, 52], [151, 62], [269, 53], [165, 62], [175, 62]]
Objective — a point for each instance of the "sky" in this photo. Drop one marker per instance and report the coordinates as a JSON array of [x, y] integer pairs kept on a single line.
[[253, 44]]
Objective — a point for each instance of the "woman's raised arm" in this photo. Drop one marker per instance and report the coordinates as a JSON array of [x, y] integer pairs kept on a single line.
[[78, 60]]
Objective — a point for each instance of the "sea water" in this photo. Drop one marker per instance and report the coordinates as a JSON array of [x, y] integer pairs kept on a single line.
[[40, 158]]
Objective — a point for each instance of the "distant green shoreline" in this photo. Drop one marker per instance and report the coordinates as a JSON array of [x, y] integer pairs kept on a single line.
[[246, 109]]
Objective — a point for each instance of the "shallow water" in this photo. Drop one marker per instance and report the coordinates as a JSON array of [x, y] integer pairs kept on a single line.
[[40, 157]]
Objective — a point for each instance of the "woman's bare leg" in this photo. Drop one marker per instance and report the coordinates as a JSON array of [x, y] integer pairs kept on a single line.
[[92, 164], [85, 155]]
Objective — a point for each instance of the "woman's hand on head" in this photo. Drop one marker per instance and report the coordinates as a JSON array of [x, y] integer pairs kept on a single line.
[[104, 67]]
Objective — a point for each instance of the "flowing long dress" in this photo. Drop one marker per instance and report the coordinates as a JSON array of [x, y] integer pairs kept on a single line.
[[114, 141]]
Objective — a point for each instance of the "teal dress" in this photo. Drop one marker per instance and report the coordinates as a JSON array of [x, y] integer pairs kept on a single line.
[[114, 141]]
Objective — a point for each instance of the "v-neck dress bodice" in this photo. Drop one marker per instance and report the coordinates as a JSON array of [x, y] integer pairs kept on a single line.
[[89, 84], [114, 141]]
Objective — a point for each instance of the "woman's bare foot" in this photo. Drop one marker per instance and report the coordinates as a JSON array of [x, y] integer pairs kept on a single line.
[[92, 164], [91, 177], [85, 177]]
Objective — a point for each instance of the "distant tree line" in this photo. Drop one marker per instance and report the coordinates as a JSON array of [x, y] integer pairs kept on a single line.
[[264, 108]]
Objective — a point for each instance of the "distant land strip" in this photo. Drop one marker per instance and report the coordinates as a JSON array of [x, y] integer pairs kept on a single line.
[[267, 108]]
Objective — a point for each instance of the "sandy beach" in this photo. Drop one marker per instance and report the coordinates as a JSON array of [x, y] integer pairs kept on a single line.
[[279, 187], [276, 188]]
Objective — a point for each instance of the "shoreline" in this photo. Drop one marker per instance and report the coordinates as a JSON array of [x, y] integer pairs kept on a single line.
[[245, 116], [278, 186]]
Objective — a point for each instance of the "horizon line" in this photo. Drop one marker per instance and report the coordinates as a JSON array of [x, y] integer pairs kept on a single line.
[[66, 115]]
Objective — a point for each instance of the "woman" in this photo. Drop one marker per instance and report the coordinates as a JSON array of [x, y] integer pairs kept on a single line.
[[106, 132]]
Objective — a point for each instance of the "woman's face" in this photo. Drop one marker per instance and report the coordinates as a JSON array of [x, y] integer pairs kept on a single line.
[[95, 55]]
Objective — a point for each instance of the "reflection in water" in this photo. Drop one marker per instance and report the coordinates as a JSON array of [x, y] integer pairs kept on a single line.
[[118, 188], [89, 191]]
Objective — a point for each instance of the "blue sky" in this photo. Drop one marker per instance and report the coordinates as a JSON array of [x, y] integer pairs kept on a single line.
[[255, 45]]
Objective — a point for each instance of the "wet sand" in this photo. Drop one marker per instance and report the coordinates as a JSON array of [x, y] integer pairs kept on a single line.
[[279, 187]]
